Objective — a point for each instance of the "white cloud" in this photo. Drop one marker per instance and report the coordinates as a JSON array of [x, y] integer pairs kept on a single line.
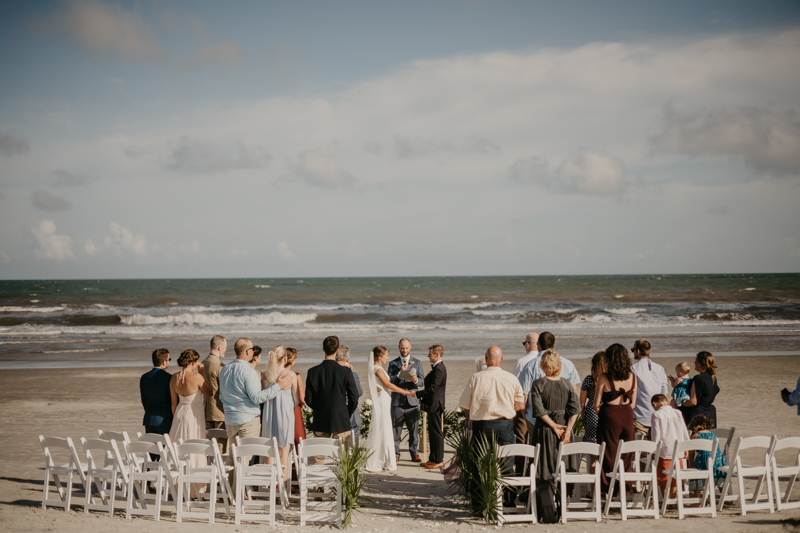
[[49, 202], [4, 258], [583, 171], [104, 30], [13, 145], [191, 156], [191, 248], [51, 245], [90, 247], [68, 179], [321, 170], [285, 252], [408, 147], [766, 139], [124, 241]]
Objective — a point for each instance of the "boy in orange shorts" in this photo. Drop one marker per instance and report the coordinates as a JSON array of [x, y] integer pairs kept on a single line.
[[667, 427]]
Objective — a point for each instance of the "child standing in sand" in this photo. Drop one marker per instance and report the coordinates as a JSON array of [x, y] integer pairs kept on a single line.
[[681, 383], [667, 428], [700, 427]]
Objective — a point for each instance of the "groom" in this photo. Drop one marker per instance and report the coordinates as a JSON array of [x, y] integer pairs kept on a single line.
[[405, 409], [432, 399]]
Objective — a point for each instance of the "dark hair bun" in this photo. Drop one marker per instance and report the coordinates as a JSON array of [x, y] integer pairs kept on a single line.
[[188, 357]]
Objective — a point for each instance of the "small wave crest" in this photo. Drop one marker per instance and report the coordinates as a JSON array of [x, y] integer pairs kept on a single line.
[[626, 311], [18, 309], [90, 350], [593, 319], [189, 319]]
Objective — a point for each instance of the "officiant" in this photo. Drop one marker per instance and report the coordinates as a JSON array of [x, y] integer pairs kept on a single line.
[[407, 373]]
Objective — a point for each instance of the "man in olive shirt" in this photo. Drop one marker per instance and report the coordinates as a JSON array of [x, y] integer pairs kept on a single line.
[[215, 414]]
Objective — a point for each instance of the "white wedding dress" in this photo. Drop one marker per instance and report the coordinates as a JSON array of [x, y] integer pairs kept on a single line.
[[380, 440]]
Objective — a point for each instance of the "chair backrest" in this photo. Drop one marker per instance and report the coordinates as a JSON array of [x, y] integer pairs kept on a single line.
[[312, 450], [749, 443], [694, 445], [519, 450], [241, 452], [789, 443], [184, 450], [195, 441], [583, 448], [118, 436], [216, 433], [166, 442], [56, 444], [727, 435], [318, 440], [138, 453], [641, 446], [110, 453], [243, 441]]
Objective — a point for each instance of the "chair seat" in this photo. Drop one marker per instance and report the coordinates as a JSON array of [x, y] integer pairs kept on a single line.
[[518, 481], [579, 478]]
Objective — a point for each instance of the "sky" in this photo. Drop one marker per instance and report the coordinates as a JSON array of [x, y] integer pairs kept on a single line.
[[182, 139]]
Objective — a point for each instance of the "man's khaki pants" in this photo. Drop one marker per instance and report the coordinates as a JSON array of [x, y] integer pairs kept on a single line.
[[344, 436]]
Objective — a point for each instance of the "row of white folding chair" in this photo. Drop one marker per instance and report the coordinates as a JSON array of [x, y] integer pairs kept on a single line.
[[285, 476], [736, 468], [259, 474], [593, 509], [679, 474], [319, 476], [645, 454], [62, 473], [787, 472], [531, 455]]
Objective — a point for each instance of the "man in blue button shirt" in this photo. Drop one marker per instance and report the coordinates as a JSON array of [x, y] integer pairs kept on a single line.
[[241, 394], [792, 398]]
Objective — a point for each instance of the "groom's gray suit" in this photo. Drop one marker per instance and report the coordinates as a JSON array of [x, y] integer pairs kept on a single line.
[[405, 410]]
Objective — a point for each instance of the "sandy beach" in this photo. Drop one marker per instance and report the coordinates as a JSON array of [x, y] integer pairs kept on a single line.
[[78, 402]]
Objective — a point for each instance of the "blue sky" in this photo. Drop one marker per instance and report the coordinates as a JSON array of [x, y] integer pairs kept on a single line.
[[185, 139]]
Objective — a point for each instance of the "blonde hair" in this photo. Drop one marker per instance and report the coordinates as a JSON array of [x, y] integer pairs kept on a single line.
[[551, 363], [274, 365], [683, 366]]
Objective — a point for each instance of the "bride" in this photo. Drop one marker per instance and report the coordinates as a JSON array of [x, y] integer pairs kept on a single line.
[[380, 441]]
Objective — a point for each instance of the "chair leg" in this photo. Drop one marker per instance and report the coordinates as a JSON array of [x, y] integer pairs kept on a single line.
[[679, 484], [68, 499], [159, 488], [563, 495], [179, 503], [742, 495], [623, 498]]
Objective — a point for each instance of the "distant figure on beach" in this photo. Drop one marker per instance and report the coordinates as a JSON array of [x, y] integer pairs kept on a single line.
[[617, 391], [380, 440], [155, 393], [533, 371], [241, 393], [680, 383], [187, 388], [432, 402], [277, 417], [650, 380], [343, 358], [331, 392], [703, 391], [405, 409], [792, 398], [490, 399], [212, 364], [667, 428]]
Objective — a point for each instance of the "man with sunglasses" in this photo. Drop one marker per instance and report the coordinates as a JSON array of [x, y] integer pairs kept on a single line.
[[520, 422]]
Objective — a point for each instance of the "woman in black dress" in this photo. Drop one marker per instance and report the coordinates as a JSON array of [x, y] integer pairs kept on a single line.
[[703, 390], [555, 405]]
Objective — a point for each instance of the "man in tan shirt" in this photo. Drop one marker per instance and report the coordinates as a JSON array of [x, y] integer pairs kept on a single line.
[[491, 399], [215, 414]]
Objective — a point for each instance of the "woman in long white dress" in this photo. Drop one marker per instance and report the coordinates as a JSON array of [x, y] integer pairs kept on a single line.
[[380, 441]]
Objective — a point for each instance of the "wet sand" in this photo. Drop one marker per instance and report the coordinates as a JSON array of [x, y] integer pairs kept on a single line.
[[78, 402]]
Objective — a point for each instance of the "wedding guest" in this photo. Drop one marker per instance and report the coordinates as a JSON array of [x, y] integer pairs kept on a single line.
[[277, 419], [299, 398], [700, 427], [212, 364], [405, 408], [703, 391], [792, 398], [480, 364], [331, 392], [155, 394], [680, 384], [241, 393], [667, 428], [256, 360], [491, 399], [432, 402], [555, 405], [650, 380], [186, 390], [521, 424], [587, 397], [343, 358], [617, 392]]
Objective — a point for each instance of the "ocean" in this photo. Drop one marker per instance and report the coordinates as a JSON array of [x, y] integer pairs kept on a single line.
[[75, 323]]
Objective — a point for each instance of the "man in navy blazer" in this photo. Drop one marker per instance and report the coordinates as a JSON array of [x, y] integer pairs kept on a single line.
[[432, 401], [405, 409], [154, 389]]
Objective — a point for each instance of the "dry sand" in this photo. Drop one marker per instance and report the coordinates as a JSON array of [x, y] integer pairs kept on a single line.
[[77, 403]]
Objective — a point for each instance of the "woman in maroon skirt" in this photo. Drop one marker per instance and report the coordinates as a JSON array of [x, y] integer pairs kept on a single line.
[[617, 392], [299, 398]]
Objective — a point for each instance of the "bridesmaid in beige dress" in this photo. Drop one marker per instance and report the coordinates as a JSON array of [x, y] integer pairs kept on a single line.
[[186, 389]]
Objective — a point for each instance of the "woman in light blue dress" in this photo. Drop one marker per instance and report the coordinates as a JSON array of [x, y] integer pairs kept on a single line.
[[277, 415]]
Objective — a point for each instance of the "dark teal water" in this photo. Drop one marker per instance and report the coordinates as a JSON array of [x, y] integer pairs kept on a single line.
[[85, 318]]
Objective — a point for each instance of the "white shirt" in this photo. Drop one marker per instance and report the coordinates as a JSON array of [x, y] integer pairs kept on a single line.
[[650, 380], [666, 428], [522, 361]]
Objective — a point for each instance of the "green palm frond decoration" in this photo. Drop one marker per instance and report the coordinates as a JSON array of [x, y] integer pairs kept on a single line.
[[350, 473]]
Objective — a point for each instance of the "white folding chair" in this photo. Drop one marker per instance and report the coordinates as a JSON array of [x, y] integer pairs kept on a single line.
[[189, 475], [144, 471], [678, 474], [101, 452], [727, 434], [528, 512], [257, 475], [761, 472], [788, 472], [592, 479], [170, 458], [642, 450], [56, 468], [313, 476]]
